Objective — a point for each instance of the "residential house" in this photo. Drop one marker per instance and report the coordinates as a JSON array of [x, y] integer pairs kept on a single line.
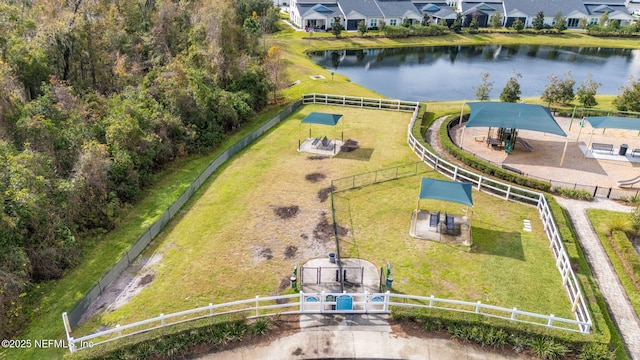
[[355, 11], [481, 10], [615, 9], [395, 11], [437, 11]]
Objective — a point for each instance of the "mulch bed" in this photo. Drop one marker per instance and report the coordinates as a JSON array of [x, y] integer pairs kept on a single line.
[[290, 251]]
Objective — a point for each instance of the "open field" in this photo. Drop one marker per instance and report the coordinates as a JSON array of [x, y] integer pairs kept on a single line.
[[261, 214]]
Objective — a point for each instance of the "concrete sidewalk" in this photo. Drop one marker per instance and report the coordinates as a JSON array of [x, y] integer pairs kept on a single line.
[[619, 305], [358, 337]]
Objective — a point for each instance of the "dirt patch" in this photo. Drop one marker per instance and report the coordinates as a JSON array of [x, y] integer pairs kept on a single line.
[[262, 253], [146, 279], [324, 230], [284, 284], [315, 177], [323, 194], [317, 157], [286, 212], [349, 146], [290, 251]]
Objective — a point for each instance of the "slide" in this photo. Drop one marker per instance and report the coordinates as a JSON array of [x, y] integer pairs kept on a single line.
[[635, 180], [524, 144]]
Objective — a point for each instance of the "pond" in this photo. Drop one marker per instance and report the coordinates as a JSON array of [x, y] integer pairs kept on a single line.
[[443, 73]]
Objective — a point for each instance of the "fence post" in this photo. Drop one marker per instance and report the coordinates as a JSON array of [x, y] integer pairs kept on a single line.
[[550, 323], [257, 304], [366, 302], [162, 319], [431, 301], [301, 301], [210, 309], [513, 313], [478, 307], [387, 295]]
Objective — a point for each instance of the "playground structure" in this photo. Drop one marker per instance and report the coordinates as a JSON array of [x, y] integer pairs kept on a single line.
[[321, 145], [629, 182]]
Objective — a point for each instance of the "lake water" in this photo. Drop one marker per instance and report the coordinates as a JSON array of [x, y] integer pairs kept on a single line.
[[444, 73]]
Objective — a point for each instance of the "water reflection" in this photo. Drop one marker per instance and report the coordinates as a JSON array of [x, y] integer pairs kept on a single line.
[[451, 72]]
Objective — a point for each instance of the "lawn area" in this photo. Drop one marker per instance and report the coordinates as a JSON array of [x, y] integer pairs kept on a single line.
[[505, 266], [229, 244]]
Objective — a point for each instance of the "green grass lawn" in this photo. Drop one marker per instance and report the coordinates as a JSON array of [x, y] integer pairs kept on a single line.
[[505, 266], [215, 251]]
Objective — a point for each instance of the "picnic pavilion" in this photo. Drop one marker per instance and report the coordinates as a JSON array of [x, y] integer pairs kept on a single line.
[[504, 119], [611, 122], [442, 226], [321, 144]]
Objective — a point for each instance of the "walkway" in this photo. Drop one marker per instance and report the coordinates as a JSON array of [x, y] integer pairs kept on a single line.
[[613, 292]]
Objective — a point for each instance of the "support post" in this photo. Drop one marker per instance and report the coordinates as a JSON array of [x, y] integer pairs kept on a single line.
[[564, 152], [461, 113]]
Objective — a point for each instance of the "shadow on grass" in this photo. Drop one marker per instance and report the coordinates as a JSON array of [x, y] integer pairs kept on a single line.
[[361, 154], [498, 243]]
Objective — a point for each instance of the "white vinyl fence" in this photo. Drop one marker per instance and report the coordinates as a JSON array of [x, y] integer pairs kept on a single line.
[[319, 303], [380, 303]]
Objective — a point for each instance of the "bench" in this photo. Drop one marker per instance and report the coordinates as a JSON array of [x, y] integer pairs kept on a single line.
[[434, 219], [602, 147], [635, 152], [449, 220], [517, 171], [315, 141], [326, 142]]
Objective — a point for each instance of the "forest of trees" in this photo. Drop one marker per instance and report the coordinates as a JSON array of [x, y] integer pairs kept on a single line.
[[98, 95]]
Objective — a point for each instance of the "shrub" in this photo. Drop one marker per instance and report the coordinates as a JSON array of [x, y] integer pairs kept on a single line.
[[574, 193], [546, 348], [594, 351], [260, 327], [392, 31]]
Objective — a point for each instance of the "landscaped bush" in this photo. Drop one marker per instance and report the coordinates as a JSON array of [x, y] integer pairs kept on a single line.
[[574, 193], [627, 253], [471, 328], [177, 341], [430, 30], [392, 31]]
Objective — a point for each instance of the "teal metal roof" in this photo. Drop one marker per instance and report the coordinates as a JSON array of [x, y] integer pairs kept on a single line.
[[322, 118], [514, 116], [614, 122], [451, 191]]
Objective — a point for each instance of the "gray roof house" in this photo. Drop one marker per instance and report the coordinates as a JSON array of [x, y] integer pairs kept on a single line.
[[355, 11], [526, 10], [615, 9], [395, 11], [481, 10], [436, 10]]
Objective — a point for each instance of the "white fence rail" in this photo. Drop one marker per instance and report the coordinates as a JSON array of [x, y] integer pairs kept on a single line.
[[380, 303], [318, 303]]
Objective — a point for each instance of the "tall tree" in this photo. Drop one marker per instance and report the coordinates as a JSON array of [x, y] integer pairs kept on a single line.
[[336, 27], [496, 20], [274, 64], [629, 100]]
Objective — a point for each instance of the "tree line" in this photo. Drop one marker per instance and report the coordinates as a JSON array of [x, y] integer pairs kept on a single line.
[[97, 97]]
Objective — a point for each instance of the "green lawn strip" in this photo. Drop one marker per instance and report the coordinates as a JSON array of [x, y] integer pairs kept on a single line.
[[599, 218], [504, 267], [211, 254], [51, 299]]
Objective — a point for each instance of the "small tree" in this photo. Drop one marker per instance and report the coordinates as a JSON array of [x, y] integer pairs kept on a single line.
[[560, 22], [382, 25], [474, 25], [518, 25], [362, 27], [406, 22], [457, 24], [613, 26], [538, 22], [587, 92], [582, 23], [484, 89], [496, 20], [336, 28], [511, 91], [629, 100], [559, 91], [604, 19], [426, 20]]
